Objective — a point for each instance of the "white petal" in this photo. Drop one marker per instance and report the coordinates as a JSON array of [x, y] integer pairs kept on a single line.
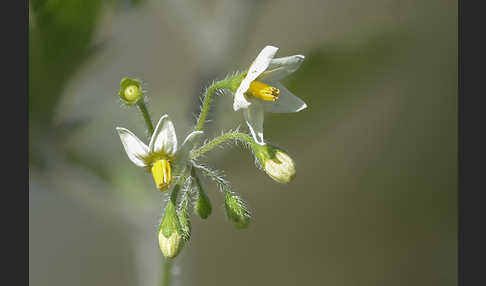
[[281, 67], [164, 138], [136, 149], [258, 66], [254, 120], [261, 62], [240, 99], [188, 144], [287, 102]]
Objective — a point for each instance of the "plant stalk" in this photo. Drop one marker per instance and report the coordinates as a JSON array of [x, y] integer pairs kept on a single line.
[[242, 137], [146, 116]]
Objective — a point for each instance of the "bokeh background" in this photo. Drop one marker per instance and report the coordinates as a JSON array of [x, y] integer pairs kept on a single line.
[[375, 197]]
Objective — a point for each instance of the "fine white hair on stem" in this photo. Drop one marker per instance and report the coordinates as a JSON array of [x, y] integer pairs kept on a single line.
[[216, 93], [186, 191], [223, 185], [214, 175]]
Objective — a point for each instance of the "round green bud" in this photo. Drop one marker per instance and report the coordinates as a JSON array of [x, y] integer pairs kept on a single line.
[[130, 91]]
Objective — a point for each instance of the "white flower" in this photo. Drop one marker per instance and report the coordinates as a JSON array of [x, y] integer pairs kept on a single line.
[[260, 90], [161, 152]]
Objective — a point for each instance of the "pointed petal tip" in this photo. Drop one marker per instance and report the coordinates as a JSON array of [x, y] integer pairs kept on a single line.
[[121, 130], [301, 57], [192, 136], [163, 117], [270, 47], [302, 107]]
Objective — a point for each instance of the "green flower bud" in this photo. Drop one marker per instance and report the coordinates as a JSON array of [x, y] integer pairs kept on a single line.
[[170, 233], [130, 91], [203, 205], [236, 210], [276, 163]]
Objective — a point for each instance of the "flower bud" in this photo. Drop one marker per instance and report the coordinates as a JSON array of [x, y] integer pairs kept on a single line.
[[276, 163], [236, 210], [203, 205], [130, 91], [170, 233]]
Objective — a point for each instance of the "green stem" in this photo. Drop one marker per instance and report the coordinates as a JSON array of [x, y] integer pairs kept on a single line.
[[146, 116], [196, 178], [230, 83], [221, 139], [178, 185], [166, 270]]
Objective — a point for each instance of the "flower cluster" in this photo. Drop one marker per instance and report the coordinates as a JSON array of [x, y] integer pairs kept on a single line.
[[177, 170]]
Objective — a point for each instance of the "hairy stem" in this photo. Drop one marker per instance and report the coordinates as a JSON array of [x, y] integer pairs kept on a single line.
[[146, 116], [230, 83], [237, 136]]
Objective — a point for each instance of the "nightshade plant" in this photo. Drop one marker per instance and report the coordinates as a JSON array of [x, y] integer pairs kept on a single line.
[[177, 169]]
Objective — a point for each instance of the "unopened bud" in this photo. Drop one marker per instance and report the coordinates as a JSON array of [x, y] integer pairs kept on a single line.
[[170, 233], [236, 210], [276, 163], [203, 205], [130, 91]]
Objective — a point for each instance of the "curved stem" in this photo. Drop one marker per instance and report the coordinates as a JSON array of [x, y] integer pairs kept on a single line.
[[208, 97], [146, 116], [230, 83], [242, 137]]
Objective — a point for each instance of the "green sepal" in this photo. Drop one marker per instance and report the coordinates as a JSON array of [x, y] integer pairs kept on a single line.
[[234, 82], [170, 222], [263, 153]]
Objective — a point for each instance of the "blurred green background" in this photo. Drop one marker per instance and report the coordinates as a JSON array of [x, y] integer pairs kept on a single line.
[[375, 197]]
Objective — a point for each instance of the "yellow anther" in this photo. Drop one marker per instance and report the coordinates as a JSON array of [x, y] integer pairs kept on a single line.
[[162, 174], [263, 91]]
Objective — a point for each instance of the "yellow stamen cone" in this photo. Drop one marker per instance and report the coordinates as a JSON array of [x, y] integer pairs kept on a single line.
[[162, 174], [263, 91]]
